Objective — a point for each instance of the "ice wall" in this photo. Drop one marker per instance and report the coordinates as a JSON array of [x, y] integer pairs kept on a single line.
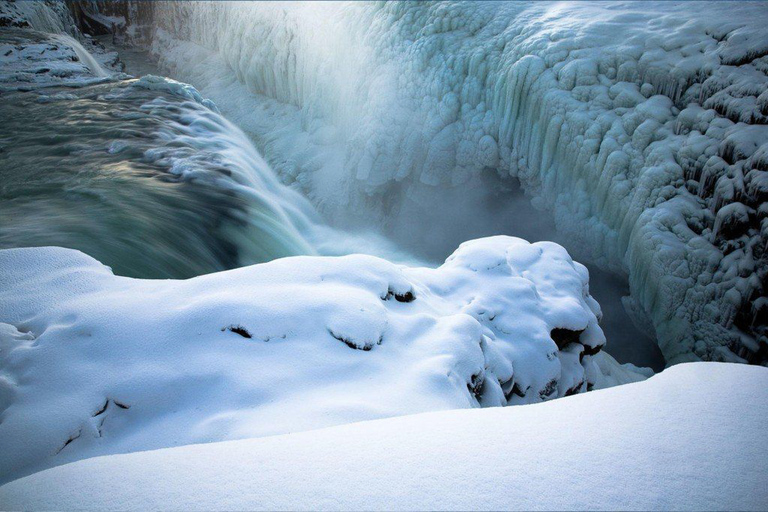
[[641, 126]]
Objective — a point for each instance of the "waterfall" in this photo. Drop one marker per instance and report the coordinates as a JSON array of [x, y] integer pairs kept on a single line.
[[424, 100], [82, 54]]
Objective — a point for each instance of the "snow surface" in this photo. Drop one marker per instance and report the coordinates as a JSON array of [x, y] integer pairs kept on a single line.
[[635, 123], [92, 363], [690, 438]]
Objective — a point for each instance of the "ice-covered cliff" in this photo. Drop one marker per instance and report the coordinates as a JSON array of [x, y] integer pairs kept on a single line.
[[44, 15], [92, 363], [641, 126]]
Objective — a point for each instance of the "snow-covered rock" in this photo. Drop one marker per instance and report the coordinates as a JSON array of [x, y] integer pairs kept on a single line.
[[92, 363], [690, 438], [33, 60], [635, 123]]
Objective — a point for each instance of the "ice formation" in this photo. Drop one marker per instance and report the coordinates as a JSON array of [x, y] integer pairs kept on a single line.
[[45, 15], [640, 125], [93, 363]]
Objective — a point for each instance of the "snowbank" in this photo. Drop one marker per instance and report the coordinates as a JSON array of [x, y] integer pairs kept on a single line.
[[690, 438], [92, 363], [636, 123]]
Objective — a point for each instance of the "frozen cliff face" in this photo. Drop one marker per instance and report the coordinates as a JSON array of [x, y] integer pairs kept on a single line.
[[44, 15], [641, 126], [92, 363]]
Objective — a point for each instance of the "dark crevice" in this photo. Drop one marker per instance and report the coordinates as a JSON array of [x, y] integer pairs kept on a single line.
[[575, 389], [475, 386], [564, 337], [519, 392], [547, 391], [365, 347], [238, 329], [591, 351], [120, 405], [103, 408], [68, 441], [400, 297]]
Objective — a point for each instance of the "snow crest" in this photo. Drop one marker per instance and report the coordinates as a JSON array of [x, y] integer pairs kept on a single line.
[[642, 126], [92, 363]]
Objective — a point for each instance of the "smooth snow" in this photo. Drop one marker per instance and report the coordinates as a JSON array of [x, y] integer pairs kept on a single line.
[[691, 438]]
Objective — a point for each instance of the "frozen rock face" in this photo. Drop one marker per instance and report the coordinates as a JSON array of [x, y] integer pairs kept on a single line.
[[92, 363], [641, 126], [44, 15]]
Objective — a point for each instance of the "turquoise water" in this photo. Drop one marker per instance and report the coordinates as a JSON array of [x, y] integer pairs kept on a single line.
[[148, 183]]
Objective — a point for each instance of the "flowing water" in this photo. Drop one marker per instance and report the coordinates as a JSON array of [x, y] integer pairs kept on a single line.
[[82, 54], [136, 180], [148, 182]]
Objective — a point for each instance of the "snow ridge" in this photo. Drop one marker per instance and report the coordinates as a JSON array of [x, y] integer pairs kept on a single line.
[[642, 126]]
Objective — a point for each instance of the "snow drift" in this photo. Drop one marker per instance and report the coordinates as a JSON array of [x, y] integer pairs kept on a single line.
[[687, 439], [92, 363], [641, 126]]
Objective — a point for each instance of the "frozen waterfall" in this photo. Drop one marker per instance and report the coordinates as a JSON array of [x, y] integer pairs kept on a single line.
[[641, 127]]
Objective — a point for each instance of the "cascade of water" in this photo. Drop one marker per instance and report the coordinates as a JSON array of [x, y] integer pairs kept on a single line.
[[82, 54]]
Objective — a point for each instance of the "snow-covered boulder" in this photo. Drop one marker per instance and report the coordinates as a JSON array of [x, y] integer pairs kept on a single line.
[[92, 363]]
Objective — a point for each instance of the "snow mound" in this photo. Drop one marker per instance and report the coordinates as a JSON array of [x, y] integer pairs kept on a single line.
[[686, 439], [640, 125], [92, 363]]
